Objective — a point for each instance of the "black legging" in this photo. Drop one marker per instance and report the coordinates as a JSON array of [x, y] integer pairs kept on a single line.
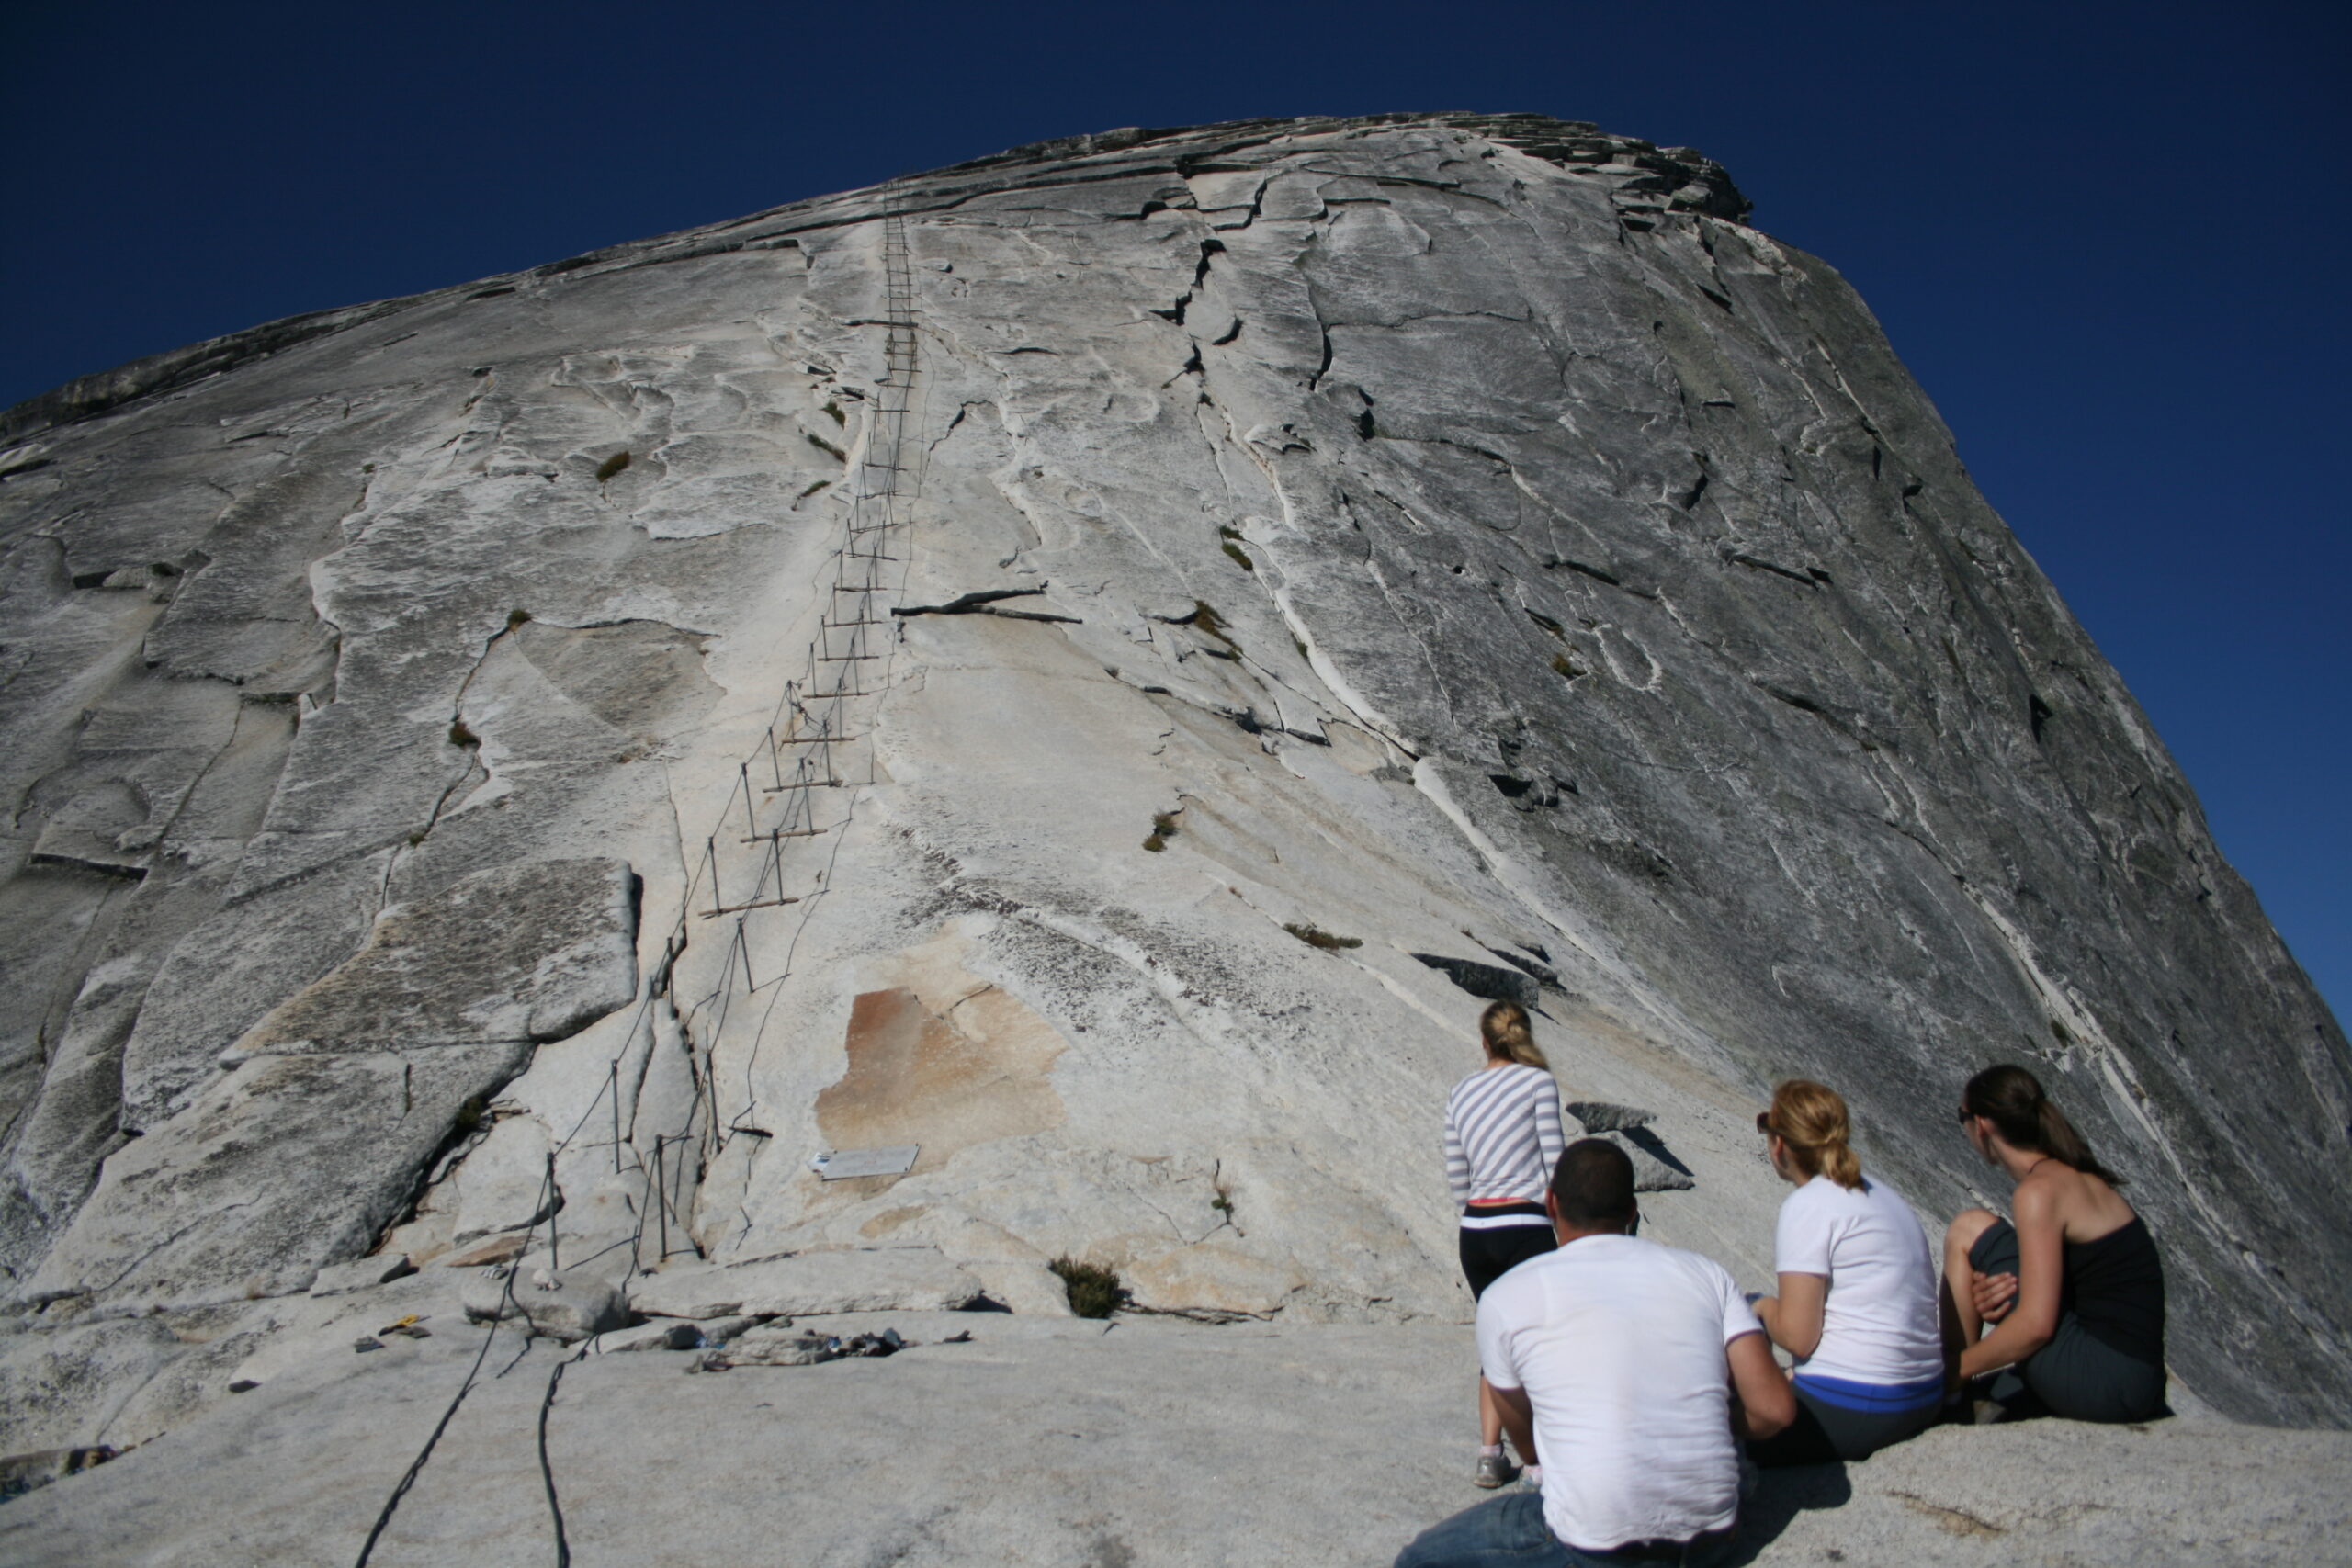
[[1824, 1432]]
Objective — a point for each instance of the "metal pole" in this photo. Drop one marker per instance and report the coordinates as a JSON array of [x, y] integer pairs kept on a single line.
[[616, 1087], [662, 1190], [555, 1201]]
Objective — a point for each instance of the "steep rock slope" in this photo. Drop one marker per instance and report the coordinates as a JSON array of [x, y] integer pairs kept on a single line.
[[1260, 561]]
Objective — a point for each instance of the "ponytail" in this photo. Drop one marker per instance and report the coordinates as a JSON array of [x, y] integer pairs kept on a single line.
[[2011, 1099], [1510, 1036], [1812, 1121], [2063, 1143]]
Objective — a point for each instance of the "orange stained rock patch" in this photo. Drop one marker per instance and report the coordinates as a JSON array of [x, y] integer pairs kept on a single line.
[[946, 1080]]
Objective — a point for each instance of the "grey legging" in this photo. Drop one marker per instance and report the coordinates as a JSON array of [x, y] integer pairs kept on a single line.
[[2075, 1375]]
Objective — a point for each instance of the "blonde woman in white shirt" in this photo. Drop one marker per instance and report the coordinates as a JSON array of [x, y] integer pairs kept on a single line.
[[1502, 1137], [1858, 1304]]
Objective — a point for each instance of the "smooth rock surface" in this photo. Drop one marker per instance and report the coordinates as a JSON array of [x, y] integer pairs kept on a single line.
[[361, 1274], [657, 1334], [1140, 1443], [1323, 546], [285, 1165], [905, 1279], [567, 1308]]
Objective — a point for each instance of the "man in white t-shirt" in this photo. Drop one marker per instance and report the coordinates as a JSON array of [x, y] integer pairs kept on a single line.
[[1630, 1370]]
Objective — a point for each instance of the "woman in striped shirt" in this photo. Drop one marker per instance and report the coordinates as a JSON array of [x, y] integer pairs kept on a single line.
[[1502, 1137]]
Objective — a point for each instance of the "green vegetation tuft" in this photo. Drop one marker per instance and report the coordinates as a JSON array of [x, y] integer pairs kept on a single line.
[[1094, 1292], [517, 617], [813, 489], [1316, 936], [1208, 622], [839, 418], [1235, 552], [1565, 667], [1163, 828], [1225, 532], [460, 735], [611, 466], [826, 448]]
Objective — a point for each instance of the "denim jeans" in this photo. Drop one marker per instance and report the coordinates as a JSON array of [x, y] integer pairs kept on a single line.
[[1508, 1532]]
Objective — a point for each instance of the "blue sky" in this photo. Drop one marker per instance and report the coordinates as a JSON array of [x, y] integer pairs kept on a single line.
[[2109, 240]]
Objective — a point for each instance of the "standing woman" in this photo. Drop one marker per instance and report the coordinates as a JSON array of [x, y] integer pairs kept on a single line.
[[1857, 1306], [1502, 1138], [2074, 1283]]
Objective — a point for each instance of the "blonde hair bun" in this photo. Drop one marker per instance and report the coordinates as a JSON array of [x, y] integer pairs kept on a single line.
[[1510, 1036], [1810, 1119]]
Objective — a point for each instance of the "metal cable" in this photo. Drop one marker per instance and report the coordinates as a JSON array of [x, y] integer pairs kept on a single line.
[[898, 375]]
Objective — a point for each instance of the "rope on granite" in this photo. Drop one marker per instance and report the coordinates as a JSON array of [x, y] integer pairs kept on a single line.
[[898, 382], [797, 715], [546, 1471], [416, 1466]]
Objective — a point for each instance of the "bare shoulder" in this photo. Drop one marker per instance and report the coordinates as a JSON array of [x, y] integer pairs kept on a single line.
[[2097, 1209], [2044, 1187], [2082, 1205]]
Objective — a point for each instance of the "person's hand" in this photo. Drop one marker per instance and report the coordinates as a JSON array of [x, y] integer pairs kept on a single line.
[[1994, 1295]]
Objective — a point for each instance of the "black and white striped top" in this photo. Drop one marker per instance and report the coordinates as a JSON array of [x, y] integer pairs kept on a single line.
[[1502, 1138]]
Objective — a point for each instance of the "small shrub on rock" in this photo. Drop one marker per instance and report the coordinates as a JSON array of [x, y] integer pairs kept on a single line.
[[1095, 1291]]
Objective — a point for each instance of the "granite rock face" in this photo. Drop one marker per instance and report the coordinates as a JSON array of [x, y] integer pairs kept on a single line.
[[1349, 570]]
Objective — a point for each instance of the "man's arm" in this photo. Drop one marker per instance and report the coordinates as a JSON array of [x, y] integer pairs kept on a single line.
[[1519, 1421], [1762, 1403]]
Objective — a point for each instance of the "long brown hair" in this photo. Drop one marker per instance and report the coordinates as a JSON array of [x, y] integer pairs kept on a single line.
[[1510, 1036], [2011, 1099], [1812, 1122]]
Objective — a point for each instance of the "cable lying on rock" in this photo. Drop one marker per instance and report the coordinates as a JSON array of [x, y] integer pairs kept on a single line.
[[983, 602]]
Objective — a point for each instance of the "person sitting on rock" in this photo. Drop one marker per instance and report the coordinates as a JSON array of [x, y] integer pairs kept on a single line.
[[1633, 1370], [2075, 1284], [1502, 1134], [1857, 1305]]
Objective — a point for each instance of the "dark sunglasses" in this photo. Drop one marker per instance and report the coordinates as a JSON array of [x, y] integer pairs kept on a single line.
[[1764, 1124], [1966, 1116]]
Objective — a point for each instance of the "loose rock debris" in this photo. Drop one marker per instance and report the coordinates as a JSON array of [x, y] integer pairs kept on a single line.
[[772, 1349]]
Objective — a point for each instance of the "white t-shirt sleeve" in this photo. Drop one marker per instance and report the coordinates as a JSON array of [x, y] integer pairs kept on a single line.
[[1802, 1240], [1495, 1337], [1739, 1316]]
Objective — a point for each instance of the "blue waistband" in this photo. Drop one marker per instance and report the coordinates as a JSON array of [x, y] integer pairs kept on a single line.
[[1873, 1398]]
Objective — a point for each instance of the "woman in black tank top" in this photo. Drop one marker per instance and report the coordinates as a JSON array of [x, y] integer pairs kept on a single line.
[[2073, 1291]]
